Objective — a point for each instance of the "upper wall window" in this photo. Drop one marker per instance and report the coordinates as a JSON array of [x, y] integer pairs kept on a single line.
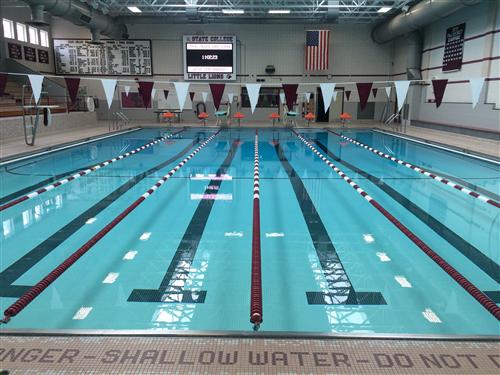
[[44, 38], [8, 28], [33, 32], [21, 32]]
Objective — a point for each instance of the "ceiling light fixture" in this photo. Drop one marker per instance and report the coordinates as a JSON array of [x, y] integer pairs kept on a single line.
[[279, 11], [233, 11], [384, 9], [134, 9]]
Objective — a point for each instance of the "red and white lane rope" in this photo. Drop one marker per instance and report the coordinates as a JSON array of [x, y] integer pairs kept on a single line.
[[37, 289], [64, 181], [421, 170], [482, 298], [256, 288]]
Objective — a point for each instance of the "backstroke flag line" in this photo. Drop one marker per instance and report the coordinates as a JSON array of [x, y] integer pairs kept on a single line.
[[253, 90], [36, 85], [476, 85], [109, 86], [327, 90], [401, 91], [181, 88]]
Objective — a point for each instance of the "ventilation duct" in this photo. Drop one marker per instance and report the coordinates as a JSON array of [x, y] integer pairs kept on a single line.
[[413, 55], [78, 13], [333, 11], [419, 15]]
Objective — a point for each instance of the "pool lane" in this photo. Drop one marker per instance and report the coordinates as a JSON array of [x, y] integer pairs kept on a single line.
[[475, 222], [432, 285], [37, 234]]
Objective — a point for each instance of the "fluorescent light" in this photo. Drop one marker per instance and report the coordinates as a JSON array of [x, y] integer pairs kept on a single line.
[[384, 9], [279, 11], [233, 11], [134, 9]]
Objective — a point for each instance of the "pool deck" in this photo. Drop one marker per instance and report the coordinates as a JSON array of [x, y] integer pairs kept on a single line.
[[484, 146], [230, 355]]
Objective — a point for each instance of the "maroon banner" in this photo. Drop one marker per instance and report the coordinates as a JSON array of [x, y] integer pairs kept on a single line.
[[43, 56], [217, 90], [145, 89], [29, 53], [15, 51], [133, 100], [165, 94], [290, 95], [374, 91], [191, 95], [348, 95], [3, 82], [72, 85], [363, 92], [439, 86], [454, 48]]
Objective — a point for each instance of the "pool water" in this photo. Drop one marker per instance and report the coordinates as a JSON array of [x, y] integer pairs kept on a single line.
[[182, 259]]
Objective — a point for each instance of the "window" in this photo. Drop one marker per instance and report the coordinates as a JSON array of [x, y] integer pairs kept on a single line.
[[21, 32], [269, 97], [33, 32], [8, 28], [44, 38]]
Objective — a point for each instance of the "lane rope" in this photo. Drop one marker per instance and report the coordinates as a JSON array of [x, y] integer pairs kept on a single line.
[[37, 289], [256, 288], [477, 294], [77, 175], [421, 170]]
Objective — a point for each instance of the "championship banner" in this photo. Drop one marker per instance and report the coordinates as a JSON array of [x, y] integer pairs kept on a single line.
[[209, 57], [454, 48]]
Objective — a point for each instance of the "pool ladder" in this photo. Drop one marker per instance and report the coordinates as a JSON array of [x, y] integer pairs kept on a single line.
[[118, 121]]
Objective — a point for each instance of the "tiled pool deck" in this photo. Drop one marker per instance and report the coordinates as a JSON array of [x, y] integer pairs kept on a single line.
[[220, 355]]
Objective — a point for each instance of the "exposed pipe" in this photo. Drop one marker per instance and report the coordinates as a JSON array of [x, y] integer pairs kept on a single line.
[[413, 55], [78, 13], [419, 15]]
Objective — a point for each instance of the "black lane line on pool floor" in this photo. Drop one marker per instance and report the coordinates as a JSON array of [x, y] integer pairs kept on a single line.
[[182, 260], [340, 288], [26, 262], [473, 254], [51, 179]]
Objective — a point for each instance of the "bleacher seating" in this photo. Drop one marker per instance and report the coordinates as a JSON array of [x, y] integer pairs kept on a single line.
[[10, 102]]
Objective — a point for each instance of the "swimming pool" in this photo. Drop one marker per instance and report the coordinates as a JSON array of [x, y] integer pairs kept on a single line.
[[181, 260]]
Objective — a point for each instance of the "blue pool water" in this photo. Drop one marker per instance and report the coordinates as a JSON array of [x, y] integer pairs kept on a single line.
[[181, 262]]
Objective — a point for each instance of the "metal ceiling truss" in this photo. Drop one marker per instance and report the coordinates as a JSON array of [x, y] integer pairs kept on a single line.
[[315, 11]]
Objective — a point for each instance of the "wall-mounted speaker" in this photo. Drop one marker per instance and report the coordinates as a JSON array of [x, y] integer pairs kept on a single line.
[[270, 69]]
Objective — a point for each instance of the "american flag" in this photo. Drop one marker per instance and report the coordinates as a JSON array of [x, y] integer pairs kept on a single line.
[[317, 42]]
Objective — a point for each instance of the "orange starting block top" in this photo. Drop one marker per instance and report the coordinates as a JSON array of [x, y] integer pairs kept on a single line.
[[239, 115], [309, 116], [345, 116], [203, 115], [274, 116], [168, 115]]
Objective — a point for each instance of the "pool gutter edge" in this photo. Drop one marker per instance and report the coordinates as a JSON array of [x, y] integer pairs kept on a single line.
[[62, 146], [248, 334]]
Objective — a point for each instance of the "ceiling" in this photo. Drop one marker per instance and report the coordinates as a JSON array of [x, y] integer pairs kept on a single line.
[[255, 11]]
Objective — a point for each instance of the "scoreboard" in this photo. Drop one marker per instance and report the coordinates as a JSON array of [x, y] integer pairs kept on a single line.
[[209, 57], [112, 57]]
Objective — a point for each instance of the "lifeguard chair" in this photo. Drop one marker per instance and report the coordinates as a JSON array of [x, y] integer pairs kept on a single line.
[[223, 115], [290, 116]]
